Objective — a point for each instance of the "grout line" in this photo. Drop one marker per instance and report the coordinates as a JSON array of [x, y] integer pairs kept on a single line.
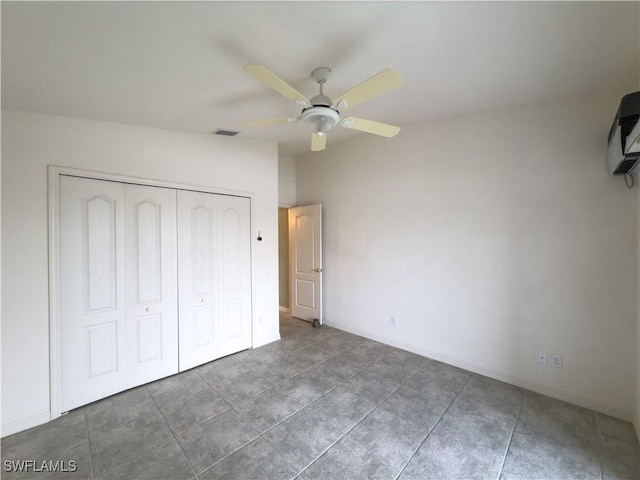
[[433, 427], [513, 430], [305, 340], [278, 453], [173, 435], [599, 443], [317, 399], [229, 407], [367, 415], [228, 455], [258, 434], [86, 426], [311, 402]]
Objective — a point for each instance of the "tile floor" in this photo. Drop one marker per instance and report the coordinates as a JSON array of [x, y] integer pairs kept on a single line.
[[322, 403]]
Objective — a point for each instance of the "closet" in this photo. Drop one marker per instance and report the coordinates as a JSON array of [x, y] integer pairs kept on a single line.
[[153, 281]]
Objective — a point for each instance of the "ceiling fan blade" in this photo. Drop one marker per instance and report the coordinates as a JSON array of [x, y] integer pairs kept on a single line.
[[369, 126], [265, 75], [380, 83], [318, 143], [268, 121]]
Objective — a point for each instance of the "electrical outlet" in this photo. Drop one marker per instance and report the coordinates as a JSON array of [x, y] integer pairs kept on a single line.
[[556, 360], [394, 321], [542, 359]]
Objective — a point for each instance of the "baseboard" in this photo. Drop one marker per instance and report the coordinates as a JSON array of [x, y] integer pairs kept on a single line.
[[284, 309], [265, 340], [25, 423], [497, 375], [636, 425]]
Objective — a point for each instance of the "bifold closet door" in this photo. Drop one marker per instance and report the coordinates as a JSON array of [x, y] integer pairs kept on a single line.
[[214, 276], [151, 283], [92, 290], [118, 311]]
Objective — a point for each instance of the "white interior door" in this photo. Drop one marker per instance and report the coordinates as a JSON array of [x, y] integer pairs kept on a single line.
[[235, 274], [92, 290], [127, 254], [119, 323], [214, 276], [305, 246], [151, 283]]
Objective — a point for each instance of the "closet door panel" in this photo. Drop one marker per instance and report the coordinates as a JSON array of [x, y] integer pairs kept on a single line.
[[151, 290], [198, 278], [92, 293], [152, 281], [235, 324]]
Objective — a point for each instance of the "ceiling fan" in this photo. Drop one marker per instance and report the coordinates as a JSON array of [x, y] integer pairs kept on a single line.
[[321, 113]]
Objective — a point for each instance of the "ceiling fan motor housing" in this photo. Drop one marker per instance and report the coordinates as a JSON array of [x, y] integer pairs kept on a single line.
[[321, 100]]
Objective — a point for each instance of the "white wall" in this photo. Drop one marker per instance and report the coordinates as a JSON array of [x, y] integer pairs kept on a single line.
[[491, 237], [29, 143], [286, 181]]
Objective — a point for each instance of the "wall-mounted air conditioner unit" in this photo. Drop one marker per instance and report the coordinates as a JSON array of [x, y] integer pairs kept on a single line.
[[623, 156]]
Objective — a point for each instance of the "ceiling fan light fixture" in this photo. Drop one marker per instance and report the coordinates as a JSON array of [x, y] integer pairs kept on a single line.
[[320, 119], [321, 113]]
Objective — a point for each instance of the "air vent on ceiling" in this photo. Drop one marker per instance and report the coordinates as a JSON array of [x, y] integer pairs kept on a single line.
[[226, 133]]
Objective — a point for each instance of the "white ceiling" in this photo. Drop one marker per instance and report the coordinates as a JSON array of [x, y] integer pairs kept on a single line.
[[178, 65]]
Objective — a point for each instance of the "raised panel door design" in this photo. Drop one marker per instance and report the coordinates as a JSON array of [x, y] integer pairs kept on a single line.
[[198, 278], [305, 244], [102, 349], [306, 294], [151, 276], [235, 322], [99, 253], [92, 293], [128, 253], [149, 337], [304, 231], [232, 318], [204, 273], [231, 255], [148, 254], [214, 255], [203, 324], [202, 254]]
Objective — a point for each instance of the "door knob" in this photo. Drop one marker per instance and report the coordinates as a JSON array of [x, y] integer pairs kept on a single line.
[[317, 270], [147, 309]]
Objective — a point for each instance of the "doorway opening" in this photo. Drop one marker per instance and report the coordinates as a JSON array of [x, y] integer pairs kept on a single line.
[[302, 251], [283, 258], [289, 325]]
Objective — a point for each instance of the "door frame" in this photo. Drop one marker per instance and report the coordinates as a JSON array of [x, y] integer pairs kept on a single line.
[[53, 196]]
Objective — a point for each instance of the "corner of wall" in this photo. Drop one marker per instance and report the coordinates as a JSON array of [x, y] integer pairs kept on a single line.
[[259, 342], [286, 180]]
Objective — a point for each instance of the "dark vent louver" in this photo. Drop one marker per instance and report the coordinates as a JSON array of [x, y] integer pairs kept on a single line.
[[226, 133], [626, 166]]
